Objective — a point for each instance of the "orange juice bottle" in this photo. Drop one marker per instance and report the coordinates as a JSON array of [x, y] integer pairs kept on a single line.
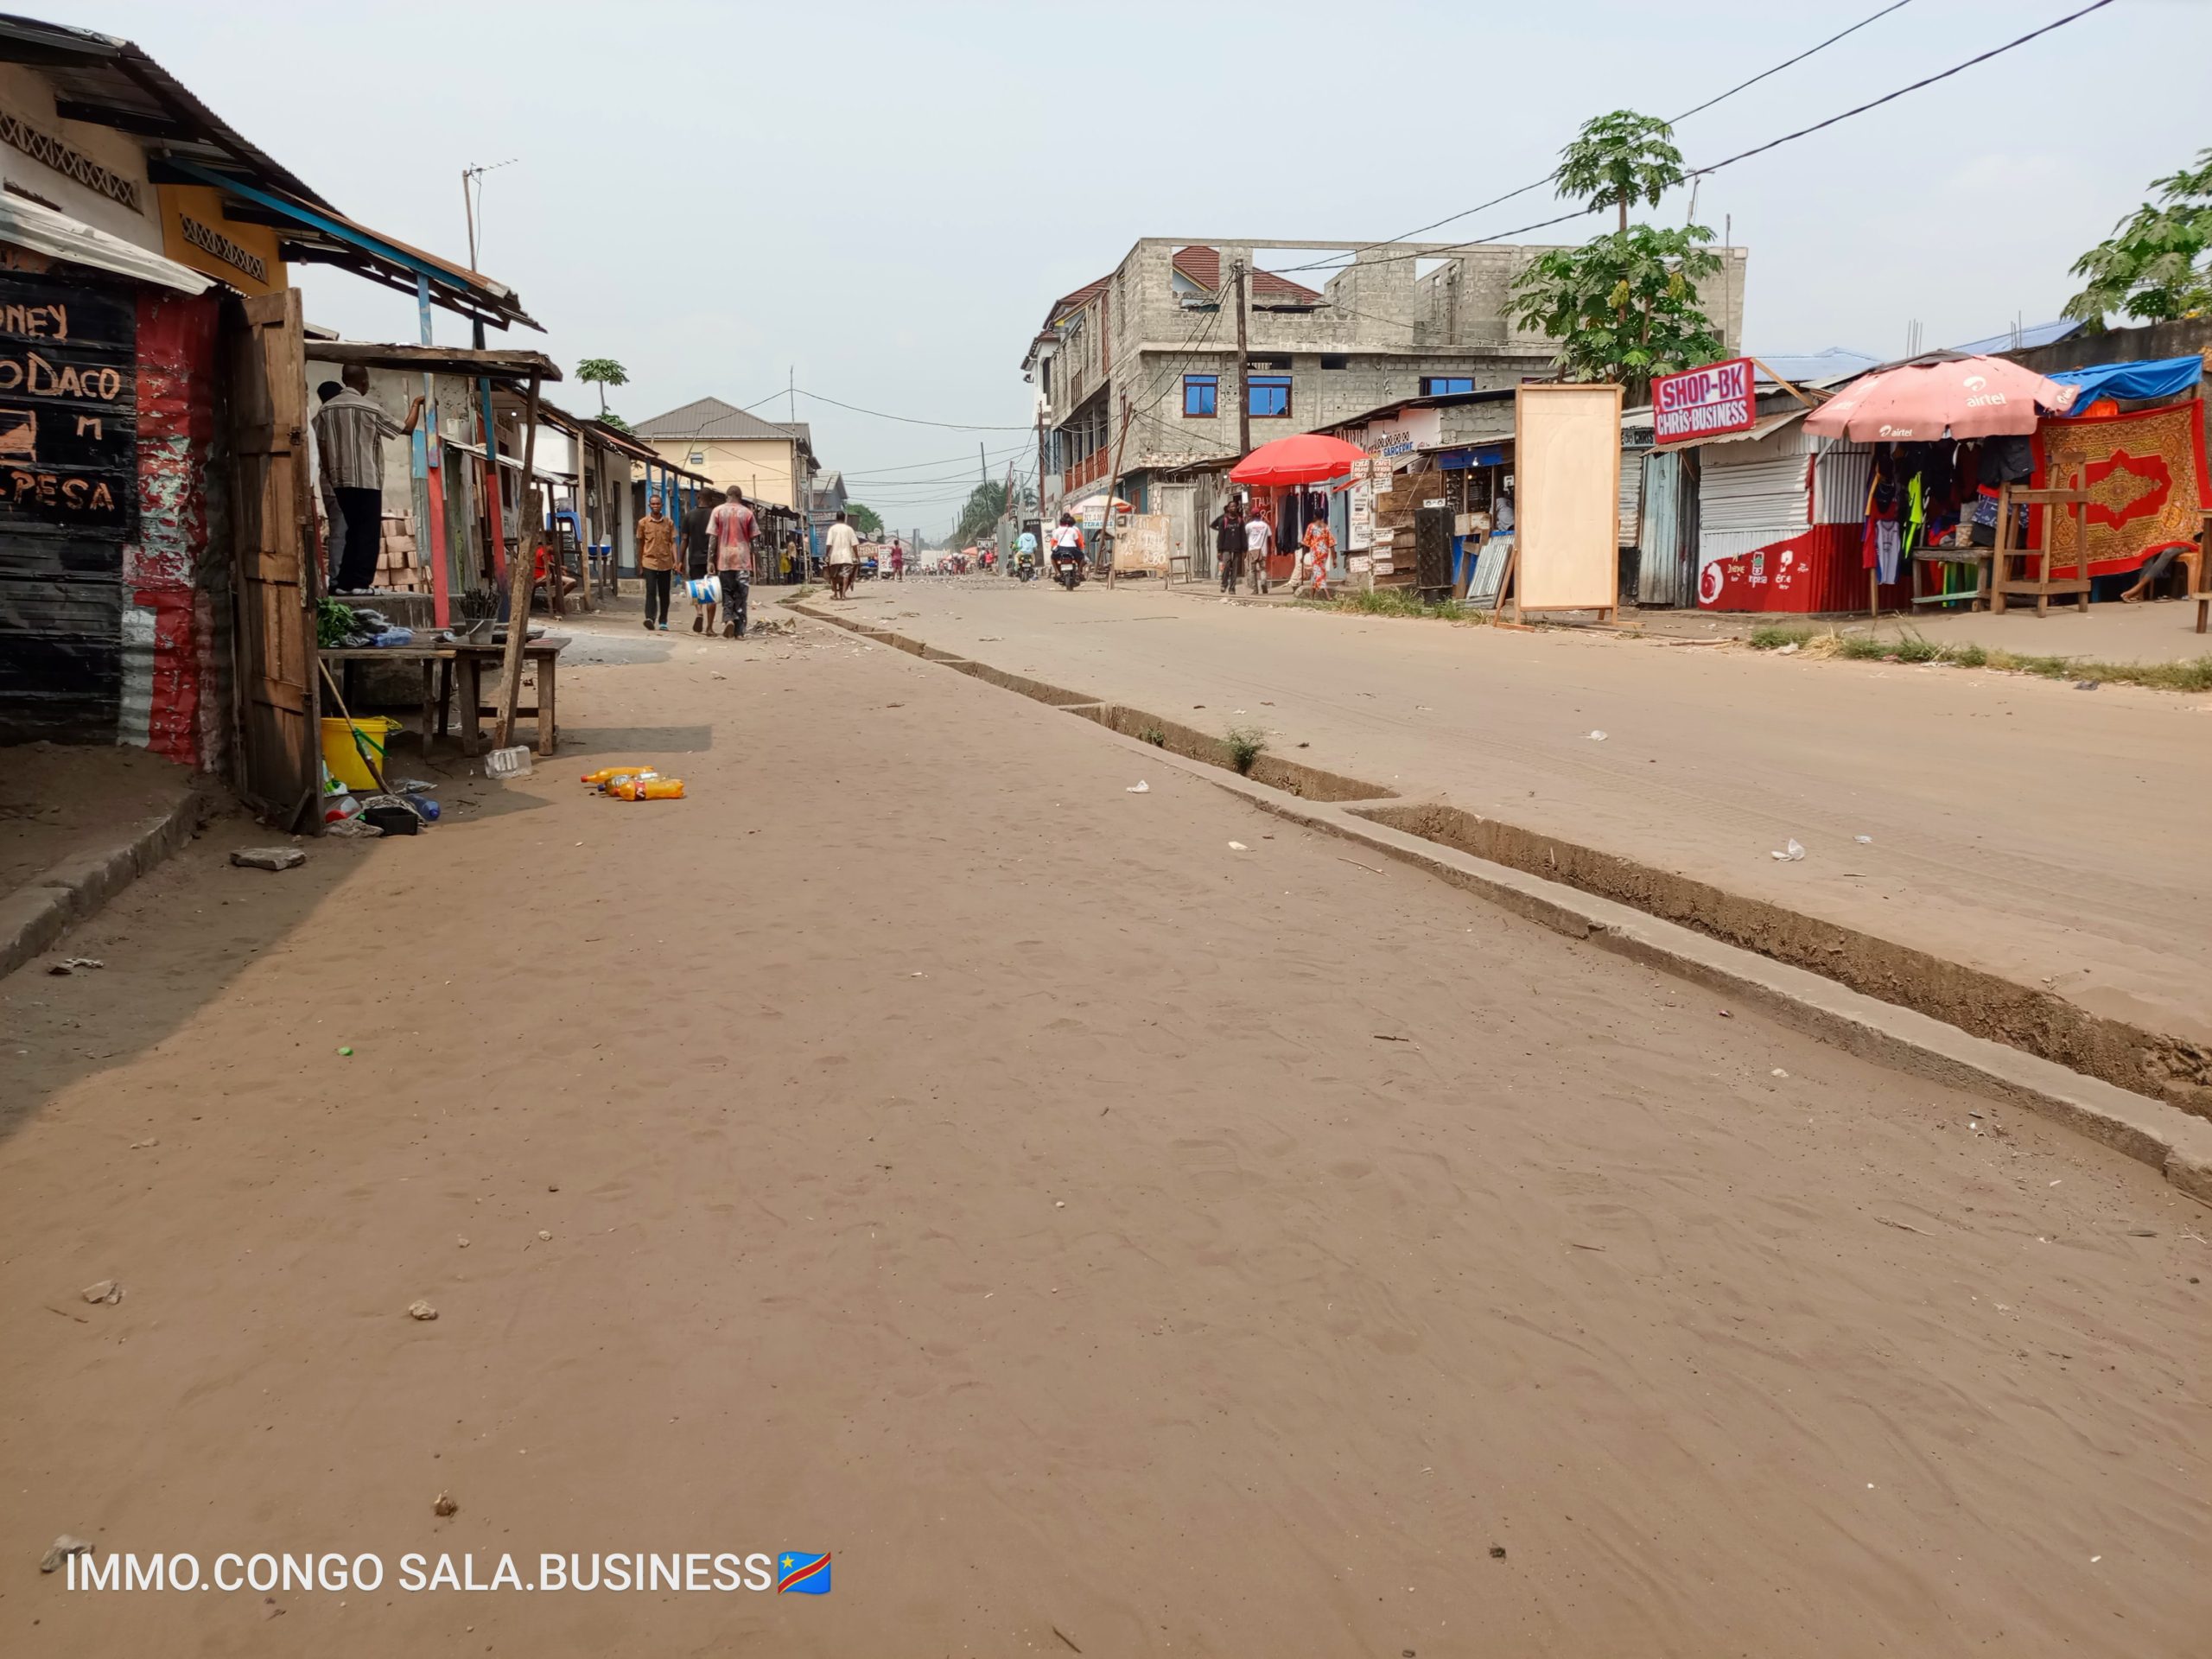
[[650, 787], [608, 775]]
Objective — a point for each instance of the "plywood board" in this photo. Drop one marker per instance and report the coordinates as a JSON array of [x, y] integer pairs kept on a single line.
[[1566, 505], [1143, 545]]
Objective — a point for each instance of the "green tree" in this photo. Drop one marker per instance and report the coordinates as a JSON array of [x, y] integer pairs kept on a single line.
[[1618, 159], [603, 371], [986, 505], [608, 417], [864, 518], [1624, 307], [2152, 267]]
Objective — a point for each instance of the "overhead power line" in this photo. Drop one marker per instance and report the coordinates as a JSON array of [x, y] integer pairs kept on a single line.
[[1538, 184], [909, 420]]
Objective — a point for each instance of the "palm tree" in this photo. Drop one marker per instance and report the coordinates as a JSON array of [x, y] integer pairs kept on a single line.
[[603, 371]]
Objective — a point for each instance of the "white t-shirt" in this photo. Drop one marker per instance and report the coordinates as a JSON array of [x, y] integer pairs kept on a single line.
[[1067, 539], [842, 545], [1259, 536]]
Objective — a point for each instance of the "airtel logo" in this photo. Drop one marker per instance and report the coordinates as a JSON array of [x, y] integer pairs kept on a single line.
[[1974, 382]]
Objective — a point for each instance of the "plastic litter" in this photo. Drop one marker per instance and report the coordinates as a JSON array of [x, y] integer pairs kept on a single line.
[[1140, 787], [507, 763], [1864, 841], [1238, 847], [1597, 737], [1791, 853], [648, 786]]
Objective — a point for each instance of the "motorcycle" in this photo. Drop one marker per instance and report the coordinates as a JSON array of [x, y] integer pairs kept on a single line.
[[1067, 570], [1025, 568]]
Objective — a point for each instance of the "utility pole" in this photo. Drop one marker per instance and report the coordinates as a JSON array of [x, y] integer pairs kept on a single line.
[[791, 394], [1041, 473], [982, 468], [1244, 368]]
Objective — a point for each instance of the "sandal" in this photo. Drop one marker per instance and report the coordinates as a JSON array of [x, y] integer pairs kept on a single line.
[[698, 625]]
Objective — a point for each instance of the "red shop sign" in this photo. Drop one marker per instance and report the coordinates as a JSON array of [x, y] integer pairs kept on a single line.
[[1699, 403]]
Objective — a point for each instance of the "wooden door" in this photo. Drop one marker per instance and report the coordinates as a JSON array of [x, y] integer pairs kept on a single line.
[[279, 581]]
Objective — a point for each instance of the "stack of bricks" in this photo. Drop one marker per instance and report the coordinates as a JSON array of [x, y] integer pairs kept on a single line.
[[398, 565]]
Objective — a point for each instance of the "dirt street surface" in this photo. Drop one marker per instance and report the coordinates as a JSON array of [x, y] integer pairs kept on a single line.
[[916, 1147], [2018, 826]]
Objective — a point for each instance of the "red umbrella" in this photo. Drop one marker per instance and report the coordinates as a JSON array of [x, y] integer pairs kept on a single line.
[[1306, 459], [1958, 398]]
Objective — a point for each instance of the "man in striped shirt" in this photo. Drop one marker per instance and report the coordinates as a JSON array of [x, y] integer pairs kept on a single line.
[[349, 435]]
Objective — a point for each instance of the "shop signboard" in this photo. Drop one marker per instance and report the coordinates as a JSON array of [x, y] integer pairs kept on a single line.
[[1397, 439], [1703, 402], [1359, 515]]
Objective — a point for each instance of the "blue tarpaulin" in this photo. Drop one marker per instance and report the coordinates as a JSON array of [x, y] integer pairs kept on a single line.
[[2164, 377]]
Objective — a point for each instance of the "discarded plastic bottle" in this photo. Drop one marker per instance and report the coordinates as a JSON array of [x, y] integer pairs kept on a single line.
[[608, 774], [648, 789], [627, 775]]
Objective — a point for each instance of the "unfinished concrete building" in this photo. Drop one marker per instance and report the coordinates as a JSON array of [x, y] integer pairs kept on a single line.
[[1157, 338]]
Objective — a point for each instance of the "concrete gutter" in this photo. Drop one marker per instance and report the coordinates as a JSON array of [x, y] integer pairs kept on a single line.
[[2175, 1142], [38, 915]]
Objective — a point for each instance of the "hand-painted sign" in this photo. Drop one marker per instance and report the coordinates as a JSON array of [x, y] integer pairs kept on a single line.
[[68, 407], [1699, 403]]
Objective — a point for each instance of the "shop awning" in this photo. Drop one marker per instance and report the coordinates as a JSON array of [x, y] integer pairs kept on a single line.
[[1765, 426], [26, 224], [436, 359], [2160, 376], [104, 80]]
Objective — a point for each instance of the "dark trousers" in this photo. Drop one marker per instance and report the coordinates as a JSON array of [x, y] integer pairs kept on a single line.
[[658, 585], [363, 512], [1232, 562], [737, 599]]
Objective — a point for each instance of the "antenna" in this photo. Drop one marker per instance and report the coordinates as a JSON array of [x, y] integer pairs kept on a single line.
[[471, 196]]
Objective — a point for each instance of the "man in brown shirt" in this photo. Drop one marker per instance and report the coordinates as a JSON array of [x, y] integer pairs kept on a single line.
[[656, 558]]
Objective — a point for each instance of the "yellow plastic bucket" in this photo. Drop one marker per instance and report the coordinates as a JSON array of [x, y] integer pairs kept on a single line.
[[344, 758]]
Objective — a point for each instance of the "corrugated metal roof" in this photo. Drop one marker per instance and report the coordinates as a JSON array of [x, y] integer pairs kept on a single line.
[[710, 417], [28, 225], [2040, 333]]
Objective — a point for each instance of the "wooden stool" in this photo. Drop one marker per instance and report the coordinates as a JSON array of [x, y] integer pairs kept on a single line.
[[2043, 586]]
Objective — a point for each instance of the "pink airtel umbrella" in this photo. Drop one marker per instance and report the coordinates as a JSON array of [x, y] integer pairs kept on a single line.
[[1955, 397]]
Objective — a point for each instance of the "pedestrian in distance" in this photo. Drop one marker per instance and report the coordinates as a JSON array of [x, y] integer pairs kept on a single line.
[[698, 559], [349, 432], [730, 534], [656, 558], [1229, 545], [898, 559], [1067, 552], [1259, 542], [842, 553]]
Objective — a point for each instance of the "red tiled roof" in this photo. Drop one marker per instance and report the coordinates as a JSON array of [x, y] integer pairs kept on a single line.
[[1202, 266]]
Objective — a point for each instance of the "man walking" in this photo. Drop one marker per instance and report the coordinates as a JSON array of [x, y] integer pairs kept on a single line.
[[841, 550], [1229, 545], [730, 534], [349, 434], [698, 559], [1259, 542], [656, 558]]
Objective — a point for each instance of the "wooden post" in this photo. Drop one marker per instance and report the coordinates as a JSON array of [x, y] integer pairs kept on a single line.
[[518, 583], [585, 453], [1113, 481], [432, 471], [1243, 369], [492, 512]]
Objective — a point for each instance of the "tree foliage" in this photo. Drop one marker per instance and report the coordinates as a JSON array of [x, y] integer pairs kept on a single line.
[[864, 518], [1618, 160], [2152, 267], [608, 417], [1624, 307], [603, 371], [986, 505]]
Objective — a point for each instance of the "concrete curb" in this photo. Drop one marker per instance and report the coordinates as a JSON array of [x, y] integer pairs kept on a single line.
[[2168, 1139], [38, 915]]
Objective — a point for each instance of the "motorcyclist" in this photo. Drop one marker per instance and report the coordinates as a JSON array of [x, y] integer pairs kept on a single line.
[[1067, 551]]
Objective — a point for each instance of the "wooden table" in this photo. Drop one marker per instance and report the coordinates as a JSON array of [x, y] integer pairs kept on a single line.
[[444, 662]]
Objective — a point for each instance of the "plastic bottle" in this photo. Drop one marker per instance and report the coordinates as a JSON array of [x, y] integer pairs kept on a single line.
[[649, 788], [608, 774]]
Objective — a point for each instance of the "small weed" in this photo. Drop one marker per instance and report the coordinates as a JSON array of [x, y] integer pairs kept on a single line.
[[1965, 656], [1861, 648], [1915, 649], [1394, 601], [1154, 736], [1773, 636], [1245, 743]]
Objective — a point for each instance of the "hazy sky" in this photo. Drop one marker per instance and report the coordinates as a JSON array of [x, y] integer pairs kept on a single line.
[[888, 196]]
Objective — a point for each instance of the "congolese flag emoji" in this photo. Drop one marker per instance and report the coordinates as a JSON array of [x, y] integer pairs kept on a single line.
[[803, 1573]]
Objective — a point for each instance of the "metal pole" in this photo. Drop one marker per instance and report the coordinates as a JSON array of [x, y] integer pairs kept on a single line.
[[428, 466]]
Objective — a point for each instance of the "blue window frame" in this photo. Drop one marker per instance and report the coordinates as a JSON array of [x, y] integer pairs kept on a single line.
[[1443, 385], [1200, 394], [1269, 395]]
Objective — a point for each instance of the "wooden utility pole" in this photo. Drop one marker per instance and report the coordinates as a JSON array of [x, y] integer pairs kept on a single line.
[[1041, 475], [1112, 483], [1244, 368], [519, 582]]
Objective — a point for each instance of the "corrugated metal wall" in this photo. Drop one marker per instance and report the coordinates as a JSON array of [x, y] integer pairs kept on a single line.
[[1667, 572]]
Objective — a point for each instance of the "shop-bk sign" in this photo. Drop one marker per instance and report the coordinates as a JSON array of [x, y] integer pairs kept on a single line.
[[1699, 403], [68, 407]]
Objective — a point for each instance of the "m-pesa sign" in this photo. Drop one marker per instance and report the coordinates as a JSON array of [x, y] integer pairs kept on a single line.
[[1698, 403]]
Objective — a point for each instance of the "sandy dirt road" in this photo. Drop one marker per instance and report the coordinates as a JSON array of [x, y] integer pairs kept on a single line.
[[2054, 836], [916, 1147]]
